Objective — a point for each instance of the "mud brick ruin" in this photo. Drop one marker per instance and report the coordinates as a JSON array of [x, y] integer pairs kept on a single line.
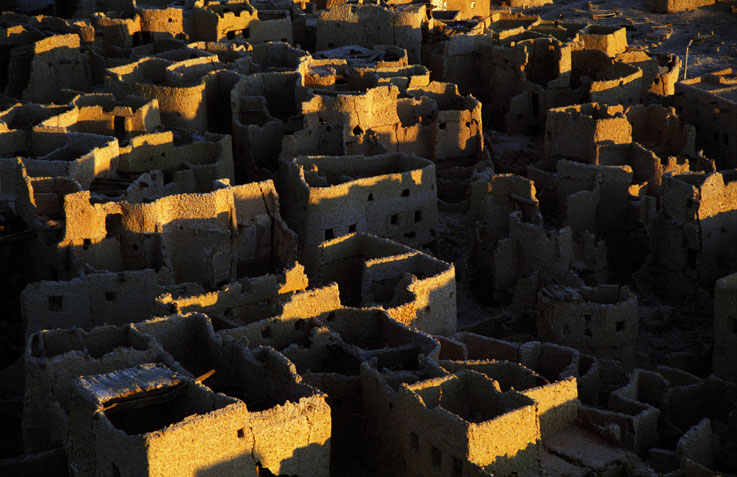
[[457, 238]]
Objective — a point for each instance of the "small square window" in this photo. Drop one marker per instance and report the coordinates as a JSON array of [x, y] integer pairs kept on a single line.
[[241, 433], [329, 234], [351, 228], [395, 219], [620, 326], [110, 296], [56, 302], [405, 193]]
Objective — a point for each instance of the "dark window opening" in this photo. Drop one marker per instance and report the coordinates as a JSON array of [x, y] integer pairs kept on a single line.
[[691, 257], [418, 216], [329, 234], [266, 332], [620, 326], [119, 126], [457, 467], [441, 125], [394, 219], [86, 244], [230, 35], [114, 470], [56, 302], [410, 235], [405, 193], [113, 225], [110, 296], [436, 457], [240, 433], [371, 197], [351, 228], [357, 131], [414, 442]]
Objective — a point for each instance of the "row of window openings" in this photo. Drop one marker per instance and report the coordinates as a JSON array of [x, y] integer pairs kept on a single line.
[[393, 219], [436, 455], [725, 136], [56, 302], [405, 193], [619, 326]]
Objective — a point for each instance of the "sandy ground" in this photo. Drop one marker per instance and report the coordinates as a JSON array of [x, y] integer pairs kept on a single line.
[[713, 29]]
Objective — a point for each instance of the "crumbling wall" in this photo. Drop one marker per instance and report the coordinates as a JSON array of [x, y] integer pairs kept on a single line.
[[96, 299], [672, 6], [601, 321], [725, 328], [261, 105], [54, 358], [660, 129], [435, 123], [708, 103], [53, 153], [610, 40], [369, 25], [390, 195], [468, 410], [557, 402], [691, 235], [60, 57], [216, 21], [516, 266], [104, 115], [414, 288], [575, 131], [181, 105]]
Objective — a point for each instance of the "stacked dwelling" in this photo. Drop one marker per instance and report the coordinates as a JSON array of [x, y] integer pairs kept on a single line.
[[272, 238]]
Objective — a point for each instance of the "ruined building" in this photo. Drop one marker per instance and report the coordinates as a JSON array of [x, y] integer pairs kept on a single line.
[[408, 238]]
